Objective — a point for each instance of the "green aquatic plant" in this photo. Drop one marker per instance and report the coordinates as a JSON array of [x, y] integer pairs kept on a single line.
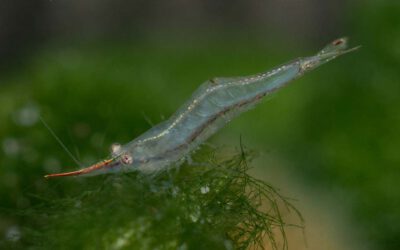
[[213, 205]]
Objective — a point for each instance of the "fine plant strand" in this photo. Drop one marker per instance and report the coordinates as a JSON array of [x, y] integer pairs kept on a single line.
[[217, 205]]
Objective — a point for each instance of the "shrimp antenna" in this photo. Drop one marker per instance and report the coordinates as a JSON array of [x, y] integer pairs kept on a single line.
[[59, 141]]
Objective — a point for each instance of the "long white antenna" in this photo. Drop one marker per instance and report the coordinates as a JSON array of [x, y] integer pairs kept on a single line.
[[60, 142]]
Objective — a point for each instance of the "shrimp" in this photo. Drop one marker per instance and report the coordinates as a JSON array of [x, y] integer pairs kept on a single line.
[[211, 106]]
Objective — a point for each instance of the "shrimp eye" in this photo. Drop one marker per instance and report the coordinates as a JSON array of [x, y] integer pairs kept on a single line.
[[115, 149], [126, 159]]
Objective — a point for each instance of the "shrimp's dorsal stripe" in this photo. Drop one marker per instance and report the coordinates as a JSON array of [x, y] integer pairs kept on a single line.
[[215, 85]]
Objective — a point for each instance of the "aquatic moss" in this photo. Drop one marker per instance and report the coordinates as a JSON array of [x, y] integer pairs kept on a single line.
[[212, 205]]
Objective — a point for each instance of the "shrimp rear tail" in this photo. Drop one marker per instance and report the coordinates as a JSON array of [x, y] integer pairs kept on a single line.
[[338, 46], [334, 49]]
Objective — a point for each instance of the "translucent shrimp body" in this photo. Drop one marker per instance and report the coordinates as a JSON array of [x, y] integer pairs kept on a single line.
[[211, 106]]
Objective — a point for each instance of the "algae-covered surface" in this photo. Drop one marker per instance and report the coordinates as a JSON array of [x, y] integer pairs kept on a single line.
[[213, 205]]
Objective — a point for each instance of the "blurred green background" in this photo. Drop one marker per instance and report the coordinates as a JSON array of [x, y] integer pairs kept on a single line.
[[102, 72]]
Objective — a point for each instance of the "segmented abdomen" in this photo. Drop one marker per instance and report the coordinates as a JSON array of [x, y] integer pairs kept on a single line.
[[210, 107]]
